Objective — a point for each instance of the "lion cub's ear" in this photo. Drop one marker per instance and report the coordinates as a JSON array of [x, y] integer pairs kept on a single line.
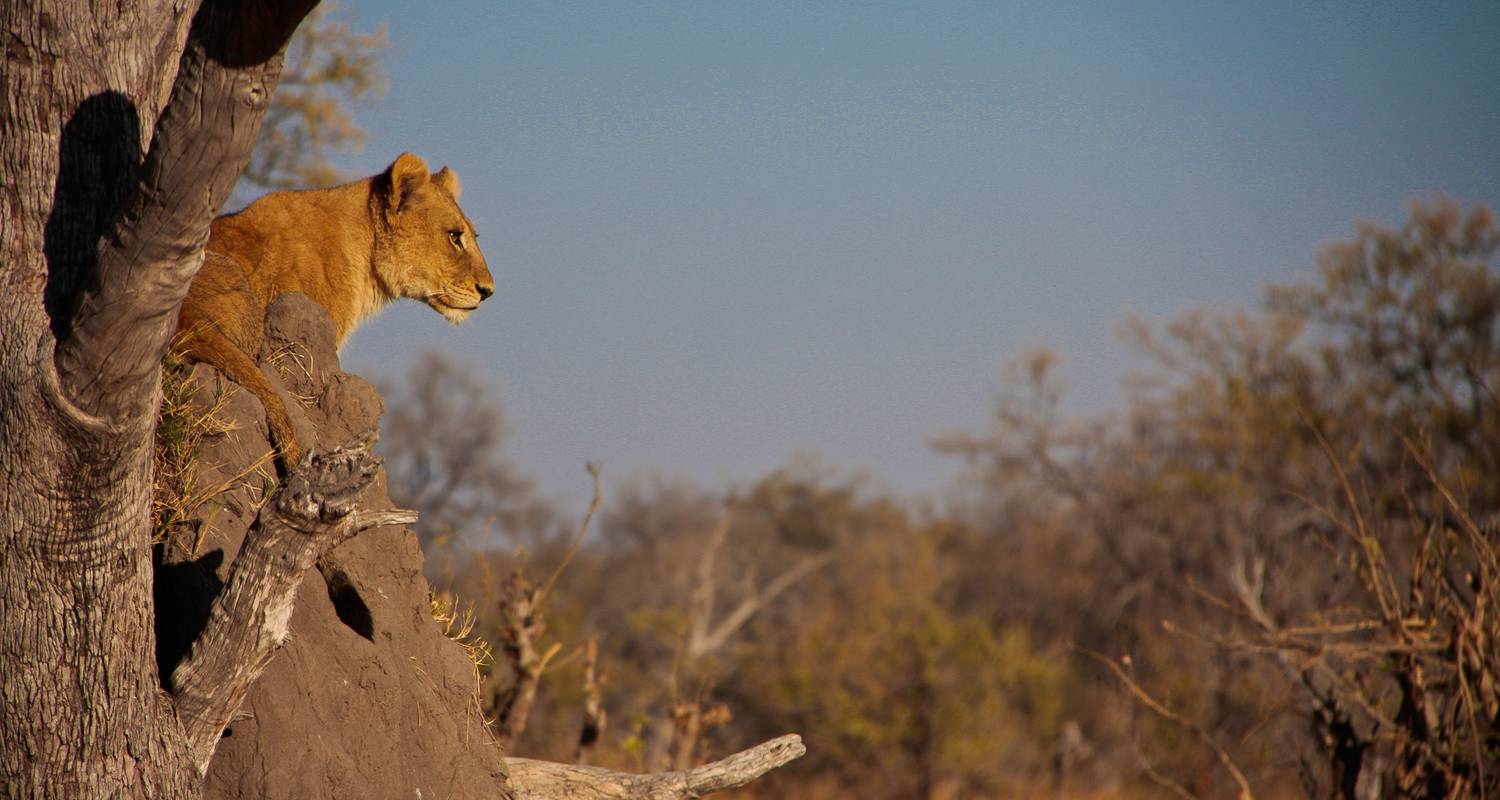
[[448, 179], [405, 175]]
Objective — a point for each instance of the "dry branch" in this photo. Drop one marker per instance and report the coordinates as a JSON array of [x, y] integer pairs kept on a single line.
[[536, 780], [1156, 706], [595, 717], [313, 513], [522, 625], [705, 636]]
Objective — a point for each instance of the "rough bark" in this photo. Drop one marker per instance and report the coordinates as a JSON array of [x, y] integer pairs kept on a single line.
[[99, 238], [109, 357]]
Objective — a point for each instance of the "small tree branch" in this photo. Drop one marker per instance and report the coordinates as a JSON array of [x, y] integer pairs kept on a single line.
[[365, 520], [536, 780], [703, 593], [1145, 699], [699, 646], [594, 469], [595, 717], [311, 514], [522, 624]]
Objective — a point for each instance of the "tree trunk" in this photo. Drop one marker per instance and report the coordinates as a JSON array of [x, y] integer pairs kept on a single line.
[[123, 128]]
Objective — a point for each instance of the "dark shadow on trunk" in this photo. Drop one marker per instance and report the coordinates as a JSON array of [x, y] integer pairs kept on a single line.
[[98, 162], [184, 592]]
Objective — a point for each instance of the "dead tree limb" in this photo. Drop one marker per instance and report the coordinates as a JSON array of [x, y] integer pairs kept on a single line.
[[1161, 710], [313, 513], [536, 780], [705, 636], [595, 717], [522, 623]]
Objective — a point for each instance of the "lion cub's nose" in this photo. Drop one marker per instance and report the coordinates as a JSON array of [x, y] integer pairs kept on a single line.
[[484, 291]]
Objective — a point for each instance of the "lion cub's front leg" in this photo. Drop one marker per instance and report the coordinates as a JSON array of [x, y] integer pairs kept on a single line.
[[222, 324], [206, 344]]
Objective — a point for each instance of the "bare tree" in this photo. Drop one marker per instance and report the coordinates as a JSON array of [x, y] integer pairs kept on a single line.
[[707, 634], [1404, 691], [443, 436]]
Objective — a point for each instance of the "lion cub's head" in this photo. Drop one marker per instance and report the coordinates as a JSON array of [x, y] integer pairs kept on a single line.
[[425, 248]]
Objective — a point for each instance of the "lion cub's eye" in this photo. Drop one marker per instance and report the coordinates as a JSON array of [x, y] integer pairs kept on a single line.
[[456, 237]]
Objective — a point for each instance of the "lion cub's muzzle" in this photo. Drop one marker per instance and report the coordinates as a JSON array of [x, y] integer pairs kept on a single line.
[[457, 303]]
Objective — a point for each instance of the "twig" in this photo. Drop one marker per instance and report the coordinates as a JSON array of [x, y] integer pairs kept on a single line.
[[1168, 714], [1162, 780], [593, 468]]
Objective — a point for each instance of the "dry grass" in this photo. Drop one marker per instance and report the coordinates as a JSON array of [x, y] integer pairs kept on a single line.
[[294, 358], [457, 621], [182, 427], [180, 431]]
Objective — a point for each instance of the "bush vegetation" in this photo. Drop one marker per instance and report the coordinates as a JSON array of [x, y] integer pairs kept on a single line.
[[1273, 571]]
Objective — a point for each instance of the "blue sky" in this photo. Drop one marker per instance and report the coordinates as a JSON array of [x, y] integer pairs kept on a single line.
[[728, 234]]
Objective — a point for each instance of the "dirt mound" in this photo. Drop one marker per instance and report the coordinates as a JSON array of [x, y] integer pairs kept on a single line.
[[367, 699]]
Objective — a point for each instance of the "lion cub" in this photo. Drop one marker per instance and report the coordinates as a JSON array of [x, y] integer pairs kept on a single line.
[[352, 249]]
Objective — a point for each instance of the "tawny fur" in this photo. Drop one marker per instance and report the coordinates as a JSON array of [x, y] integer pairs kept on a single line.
[[352, 249]]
